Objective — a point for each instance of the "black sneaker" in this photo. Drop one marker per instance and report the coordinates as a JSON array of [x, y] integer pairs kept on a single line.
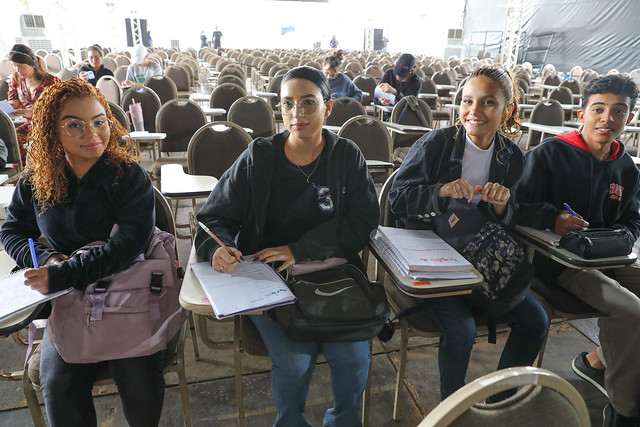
[[583, 369], [611, 418]]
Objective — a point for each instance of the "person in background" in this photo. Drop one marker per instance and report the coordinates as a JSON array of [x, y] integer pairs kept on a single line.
[[476, 162], [82, 178], [203, 39], [29, 79], [149, 39], [401, 80], [141, 68], [95, 66], [341, 84], [333, 42], [217, 38], [304, 194]]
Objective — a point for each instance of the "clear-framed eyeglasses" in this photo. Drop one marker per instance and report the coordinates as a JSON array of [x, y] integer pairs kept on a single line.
[[75, 128], [305, 106]]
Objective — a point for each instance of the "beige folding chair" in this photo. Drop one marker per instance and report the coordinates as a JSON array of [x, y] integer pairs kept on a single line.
[[110, 88], [543, 399], [546, 113], [254, 113], [373, 139], [163, 86], [343, 109], [224, 95], [14, 165]]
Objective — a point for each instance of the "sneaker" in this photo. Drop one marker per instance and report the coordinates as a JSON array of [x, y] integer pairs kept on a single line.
[[611, 418], [583, 369]]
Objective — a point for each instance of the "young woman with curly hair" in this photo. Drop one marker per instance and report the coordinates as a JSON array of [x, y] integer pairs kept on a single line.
[[82, 179], [29, 79]]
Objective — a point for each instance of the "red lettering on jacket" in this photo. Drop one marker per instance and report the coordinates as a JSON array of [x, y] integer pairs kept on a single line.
[[615, 191]]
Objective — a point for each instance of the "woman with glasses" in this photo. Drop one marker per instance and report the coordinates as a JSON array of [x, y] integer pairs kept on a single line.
[[304, 194], [29, 79], [94, 69], [341, 85], [82, 179]]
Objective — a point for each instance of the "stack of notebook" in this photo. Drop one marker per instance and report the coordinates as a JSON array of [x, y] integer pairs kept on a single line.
[[421, 254]]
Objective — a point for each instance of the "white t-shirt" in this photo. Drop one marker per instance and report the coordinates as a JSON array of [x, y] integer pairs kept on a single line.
[[476, 163]]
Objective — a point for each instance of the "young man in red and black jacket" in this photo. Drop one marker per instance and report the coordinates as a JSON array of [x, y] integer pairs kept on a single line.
[[590, 171]]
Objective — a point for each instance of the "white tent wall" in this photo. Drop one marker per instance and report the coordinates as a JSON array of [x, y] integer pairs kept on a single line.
[[417, 26], [597, 34]]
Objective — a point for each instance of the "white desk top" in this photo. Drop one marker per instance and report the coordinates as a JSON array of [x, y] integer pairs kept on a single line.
[[199, 97], [445, 87], [332, 128], [6, 194], [265, 94], [192, 295], [214, 111], [406, 129], [175, 183], [552, 130], [147, 136], [427, 95], [385, 108]]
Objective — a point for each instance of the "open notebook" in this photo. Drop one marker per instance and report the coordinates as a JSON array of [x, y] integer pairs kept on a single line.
[[16, 297], [251, 286]]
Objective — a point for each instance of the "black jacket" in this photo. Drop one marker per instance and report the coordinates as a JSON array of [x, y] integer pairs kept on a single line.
[[436, 159], [562, 170], [94, 204], [236, 208], [101, 72], [410, 87]]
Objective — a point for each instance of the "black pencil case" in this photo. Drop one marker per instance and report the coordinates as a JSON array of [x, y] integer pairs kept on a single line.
[[596, 243]]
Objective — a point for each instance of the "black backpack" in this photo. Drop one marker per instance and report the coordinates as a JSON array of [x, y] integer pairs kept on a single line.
[[338, 304]]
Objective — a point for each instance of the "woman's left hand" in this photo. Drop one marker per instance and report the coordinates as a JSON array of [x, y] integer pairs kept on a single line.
[[37, 279], [495, 194], [280, 253]]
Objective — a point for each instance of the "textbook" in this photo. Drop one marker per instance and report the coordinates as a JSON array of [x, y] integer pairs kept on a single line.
[[16, 297], [251, 286], [419, 253]]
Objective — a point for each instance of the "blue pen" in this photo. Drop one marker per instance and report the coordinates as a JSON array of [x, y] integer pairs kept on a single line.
[[33, 253], [567, 207]]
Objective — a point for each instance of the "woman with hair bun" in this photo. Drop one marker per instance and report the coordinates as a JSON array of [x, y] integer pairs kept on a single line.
[[340, 84], [29, 79], [479, 162]]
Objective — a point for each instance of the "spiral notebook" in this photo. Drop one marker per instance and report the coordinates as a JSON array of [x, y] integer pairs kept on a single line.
[[16, 297]]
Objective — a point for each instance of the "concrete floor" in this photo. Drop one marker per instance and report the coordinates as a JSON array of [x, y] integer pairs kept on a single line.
[[212, 391]]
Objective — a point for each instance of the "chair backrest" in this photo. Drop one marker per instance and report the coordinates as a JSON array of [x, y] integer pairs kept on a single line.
[[254, 113], [180, 77], [109, 63], [553, 80], [54, 63], [374, 71], [562, 94], [214, 147], [67, 73], [547, 113], [442, 78], [179, 119], [387, 217], [232, 78], [10, 138], [163, 86], [274, 87], [165, 220], [588, 75], [120, 73], [235, 70], [343, 109], [120, 115], [429, 86], [149, 101], [370, 135], [545, 399], [122, 61], [110, 88], [4, 90], [573, 85], [403, 114], [366, 84], [226, 94]]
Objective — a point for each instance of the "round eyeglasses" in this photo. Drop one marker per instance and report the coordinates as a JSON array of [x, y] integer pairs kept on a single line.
[[75, 128], [306, 106]]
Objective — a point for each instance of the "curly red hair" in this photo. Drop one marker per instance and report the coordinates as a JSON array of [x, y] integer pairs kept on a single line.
[[46, 162]]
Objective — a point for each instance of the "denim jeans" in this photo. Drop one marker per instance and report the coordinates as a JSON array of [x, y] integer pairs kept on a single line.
[[293, 365], [528, 323], [66, 388]]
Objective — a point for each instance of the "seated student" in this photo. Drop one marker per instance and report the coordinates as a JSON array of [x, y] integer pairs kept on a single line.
[[401, 80], [341, 84], [81, 180], [304, 194], [591, 172], [475, 159], [95, 66], [141, 68]]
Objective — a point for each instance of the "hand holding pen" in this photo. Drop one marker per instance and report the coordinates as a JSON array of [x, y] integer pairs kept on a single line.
[[36, 278], [569, 220], [225, 258]]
